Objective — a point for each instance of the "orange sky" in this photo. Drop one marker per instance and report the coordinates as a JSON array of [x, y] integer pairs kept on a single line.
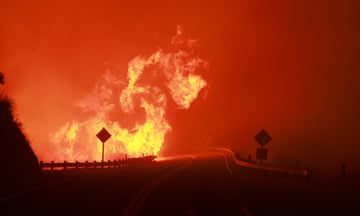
[[291, 67]]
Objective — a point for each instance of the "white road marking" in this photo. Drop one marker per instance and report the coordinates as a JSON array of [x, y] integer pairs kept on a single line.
[[227, 163], [138, 200], [243, 209]]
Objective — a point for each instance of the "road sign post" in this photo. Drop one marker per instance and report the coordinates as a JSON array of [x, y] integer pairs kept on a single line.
[[207, 140], [102, 154], [262, 138], [103, 136], [261, 154]]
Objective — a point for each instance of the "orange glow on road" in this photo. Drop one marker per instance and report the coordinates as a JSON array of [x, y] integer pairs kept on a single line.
[[180, 69]]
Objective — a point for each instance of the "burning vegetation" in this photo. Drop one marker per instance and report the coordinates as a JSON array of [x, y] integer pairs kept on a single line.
[[153, 82]]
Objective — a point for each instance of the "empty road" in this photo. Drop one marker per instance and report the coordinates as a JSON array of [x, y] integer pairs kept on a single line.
[[195, 184]]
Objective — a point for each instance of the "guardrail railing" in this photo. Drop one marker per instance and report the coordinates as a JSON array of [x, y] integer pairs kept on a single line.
[[270, 170], [95, 164]]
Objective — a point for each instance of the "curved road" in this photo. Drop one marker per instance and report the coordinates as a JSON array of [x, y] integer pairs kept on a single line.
[[199, 184]]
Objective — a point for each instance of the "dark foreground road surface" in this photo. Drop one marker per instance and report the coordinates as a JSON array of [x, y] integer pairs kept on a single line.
[[206, 184]]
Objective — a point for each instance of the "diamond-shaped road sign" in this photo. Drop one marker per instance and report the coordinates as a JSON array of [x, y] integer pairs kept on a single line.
[[103, 135], [262, 138]]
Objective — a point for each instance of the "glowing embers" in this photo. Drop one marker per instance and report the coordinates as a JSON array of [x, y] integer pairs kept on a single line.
[[150, 85]]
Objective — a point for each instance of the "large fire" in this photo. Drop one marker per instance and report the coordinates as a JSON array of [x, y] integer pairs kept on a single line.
[[177, 79]]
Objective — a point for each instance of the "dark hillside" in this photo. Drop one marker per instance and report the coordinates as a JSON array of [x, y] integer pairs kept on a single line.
[[18, 162]]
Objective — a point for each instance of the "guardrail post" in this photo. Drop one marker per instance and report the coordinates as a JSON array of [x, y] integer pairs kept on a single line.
[[249, 158], [94, 163], [343, 171], [309, 174], [41, 164], [64, 165]]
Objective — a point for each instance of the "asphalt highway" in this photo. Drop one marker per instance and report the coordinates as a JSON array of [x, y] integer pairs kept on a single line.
[[195, 184]]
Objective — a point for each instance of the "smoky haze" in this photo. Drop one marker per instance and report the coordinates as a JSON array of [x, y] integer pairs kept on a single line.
[[290, 67]]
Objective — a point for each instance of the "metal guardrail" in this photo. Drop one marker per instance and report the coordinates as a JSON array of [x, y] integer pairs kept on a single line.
[[272, 168], [306, 173], [96, 164]]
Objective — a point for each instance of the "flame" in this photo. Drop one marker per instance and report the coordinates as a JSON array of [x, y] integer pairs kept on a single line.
[[178, 71]]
